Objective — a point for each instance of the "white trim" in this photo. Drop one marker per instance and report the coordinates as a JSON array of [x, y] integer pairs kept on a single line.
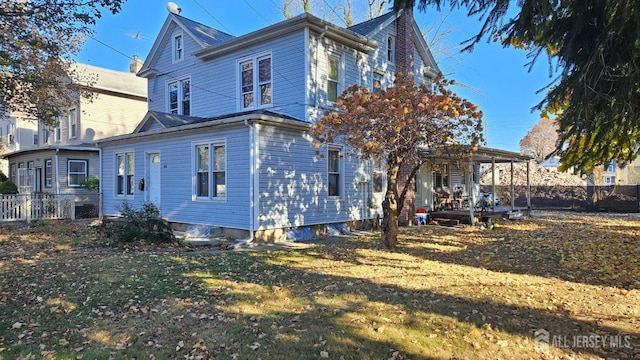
[[178, 81], [341, 171], [174, 57], [255, 61], [194, 173], [125, 194]]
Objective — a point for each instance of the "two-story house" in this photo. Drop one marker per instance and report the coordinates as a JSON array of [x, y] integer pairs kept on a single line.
[[225, 140], [58, 159]]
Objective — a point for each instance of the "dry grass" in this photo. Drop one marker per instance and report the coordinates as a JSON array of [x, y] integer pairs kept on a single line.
[[448, 293]]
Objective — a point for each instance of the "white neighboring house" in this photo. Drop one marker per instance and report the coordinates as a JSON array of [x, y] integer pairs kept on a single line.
[[58, 159]]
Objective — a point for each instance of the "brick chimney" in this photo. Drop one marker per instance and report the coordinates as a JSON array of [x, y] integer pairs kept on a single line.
[[404, 42], [404, 49]]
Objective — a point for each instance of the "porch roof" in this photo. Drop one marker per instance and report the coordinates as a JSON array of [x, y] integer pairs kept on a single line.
[[79, 147], [483, 155]]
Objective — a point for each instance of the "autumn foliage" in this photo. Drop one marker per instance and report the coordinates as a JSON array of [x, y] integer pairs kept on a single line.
[[540, 141], [398, 126]]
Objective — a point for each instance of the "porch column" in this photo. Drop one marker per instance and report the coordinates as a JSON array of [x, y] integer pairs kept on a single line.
[[512, 188], [493, 184], [471, 200], [528, 188]]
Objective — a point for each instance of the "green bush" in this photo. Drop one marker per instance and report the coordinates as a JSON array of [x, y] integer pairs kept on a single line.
[[143, 225], [8, 187], [3, 177], [92, 183]]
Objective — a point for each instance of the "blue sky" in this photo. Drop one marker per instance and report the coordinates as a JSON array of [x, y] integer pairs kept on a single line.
[[495, 78]]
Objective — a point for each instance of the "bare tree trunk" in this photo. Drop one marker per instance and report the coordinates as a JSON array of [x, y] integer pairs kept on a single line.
[[389, 229]]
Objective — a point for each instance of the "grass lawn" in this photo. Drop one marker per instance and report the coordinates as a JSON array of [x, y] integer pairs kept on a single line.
[[570, 281]]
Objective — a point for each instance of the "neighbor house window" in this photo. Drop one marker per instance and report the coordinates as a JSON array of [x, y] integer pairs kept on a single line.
[[177, 48], [609, 180], [391, 49], [10, 135], [77, 172], [35, 138], [30, 174], [46, 136], [12, 173], [377, 81], [57, 133], [333, 171], [48, 173], [378, 176], [22, 182], [210, 174], [333, 78], [255, 86], [441, 178], [180, 97], [73, 124], [611, 168], [125, 173]]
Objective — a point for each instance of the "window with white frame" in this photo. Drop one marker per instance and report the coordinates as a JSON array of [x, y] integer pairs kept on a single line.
[[76, 172], [177, 48], [377, 81], [35, 138], [180, 97], [57, 132], [22, 177], [609, 180], [333, 77], [378, 176], [611, 167], [46, 136], [48, 173], [255, 86], [210, 171], [10, 134], [73, 123], [391, 48], [334, 171], [125, 171]]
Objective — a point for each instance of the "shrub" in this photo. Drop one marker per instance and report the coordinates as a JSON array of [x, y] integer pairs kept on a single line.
[[143, 225], [3, 177], [8, 187], [92, 183]]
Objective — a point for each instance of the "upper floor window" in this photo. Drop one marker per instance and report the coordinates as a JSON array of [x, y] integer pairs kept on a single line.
[[334, 167], [125, 173], [46, 136], [73, 123], [609, 180], [210, 170], [377, 81], [611, 168], [10, 134], [391, 48], [333, 78], [76, 172], [177, 48], [180, 97], [35, 138], [255, 86]]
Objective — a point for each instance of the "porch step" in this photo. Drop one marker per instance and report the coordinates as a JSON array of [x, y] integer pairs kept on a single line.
[[447, 222]]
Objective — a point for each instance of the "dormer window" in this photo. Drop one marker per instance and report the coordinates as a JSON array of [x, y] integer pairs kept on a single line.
[[391, 49], [177, 48]]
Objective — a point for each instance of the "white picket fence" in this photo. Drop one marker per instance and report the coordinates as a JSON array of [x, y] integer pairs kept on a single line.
[[27, 207]]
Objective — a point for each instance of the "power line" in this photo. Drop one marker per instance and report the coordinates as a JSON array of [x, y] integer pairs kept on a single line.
[[111, 47], [213, 17]]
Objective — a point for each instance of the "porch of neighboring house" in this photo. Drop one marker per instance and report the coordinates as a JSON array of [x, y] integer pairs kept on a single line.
[[453, 195]]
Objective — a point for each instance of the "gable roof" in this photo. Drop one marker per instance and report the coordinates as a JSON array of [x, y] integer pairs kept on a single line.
[[373, 25], [107, 80], [205, 36]]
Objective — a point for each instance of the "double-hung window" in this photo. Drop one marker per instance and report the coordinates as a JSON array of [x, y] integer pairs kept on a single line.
[[210, 171], [48, 173], [180, 97], [377, 81], [378, 176], [391, 49], [334, 171], [255, 82], [333, 78], [177, 48], [73, 123], [125, 173], [76, 172]]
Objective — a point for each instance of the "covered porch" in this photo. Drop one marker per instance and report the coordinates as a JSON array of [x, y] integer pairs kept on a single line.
[[448, 188]]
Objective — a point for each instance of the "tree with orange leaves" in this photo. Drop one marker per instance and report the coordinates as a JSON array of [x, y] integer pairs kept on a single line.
[[397, 126]]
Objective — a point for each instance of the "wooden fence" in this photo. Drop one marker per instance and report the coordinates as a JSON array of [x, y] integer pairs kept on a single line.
[[27, 207]]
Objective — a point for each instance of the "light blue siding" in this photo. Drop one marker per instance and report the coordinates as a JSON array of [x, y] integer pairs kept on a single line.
[[177, 169], [293, 183]]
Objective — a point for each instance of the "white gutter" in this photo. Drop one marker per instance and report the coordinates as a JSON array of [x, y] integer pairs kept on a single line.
[[324, 32]]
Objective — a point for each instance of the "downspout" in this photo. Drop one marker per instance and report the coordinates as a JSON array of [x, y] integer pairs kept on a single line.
[[100, 181], [57, 172], [252, 183], [322, 34]]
